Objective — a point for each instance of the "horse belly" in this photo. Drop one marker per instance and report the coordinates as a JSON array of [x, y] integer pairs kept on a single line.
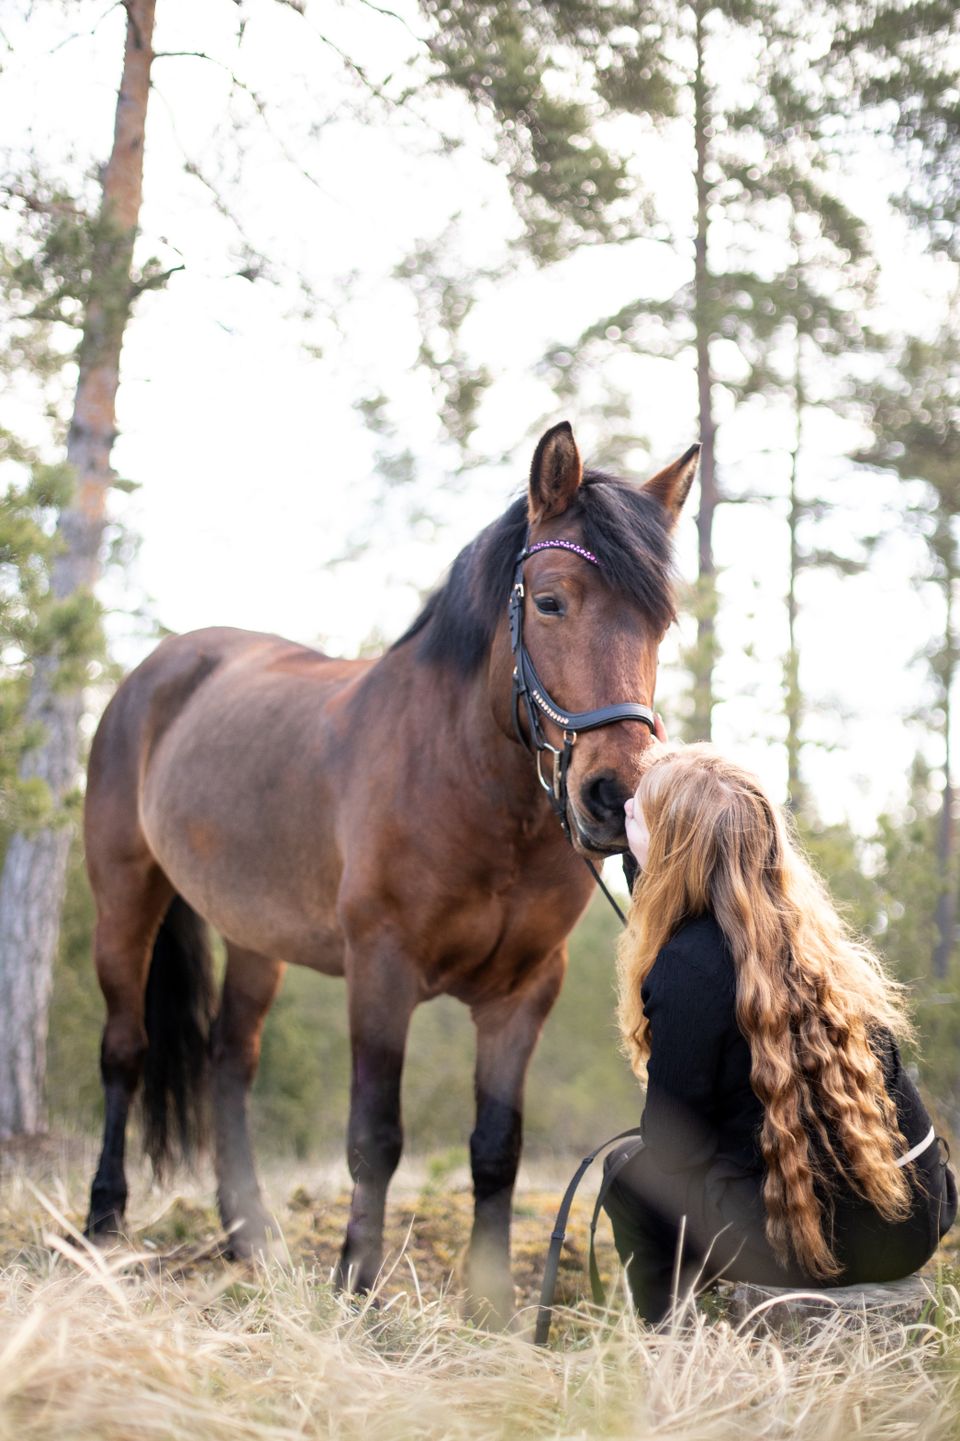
[[245, 831]]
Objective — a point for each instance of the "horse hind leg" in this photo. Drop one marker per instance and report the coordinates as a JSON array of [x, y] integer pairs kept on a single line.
[[130, 909], [249, 988]]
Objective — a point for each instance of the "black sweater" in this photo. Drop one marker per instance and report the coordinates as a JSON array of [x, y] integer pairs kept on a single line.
[[700, 1108]]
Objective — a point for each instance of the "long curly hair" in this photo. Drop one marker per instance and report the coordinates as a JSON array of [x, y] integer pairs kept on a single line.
[[810, 996]]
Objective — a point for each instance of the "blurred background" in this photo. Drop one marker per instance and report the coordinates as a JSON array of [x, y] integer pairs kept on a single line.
[[373, 252]]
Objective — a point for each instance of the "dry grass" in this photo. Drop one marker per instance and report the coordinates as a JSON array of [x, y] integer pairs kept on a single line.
[[125, 1345]]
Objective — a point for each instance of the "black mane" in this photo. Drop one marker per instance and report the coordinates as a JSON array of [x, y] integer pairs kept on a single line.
[[627, 530]]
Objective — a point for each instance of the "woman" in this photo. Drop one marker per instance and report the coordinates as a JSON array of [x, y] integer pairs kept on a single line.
[[783, 1142]]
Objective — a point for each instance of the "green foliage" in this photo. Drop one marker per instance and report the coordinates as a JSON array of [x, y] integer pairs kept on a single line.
[[779, 267], [31, 622], [915, 415], [837, 855], [63, 272], [542, 71], [888, 889], [76, 1013], [901, 61], [909, 884], [444, 298]]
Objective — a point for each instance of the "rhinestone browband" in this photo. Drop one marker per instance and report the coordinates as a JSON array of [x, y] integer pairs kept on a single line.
[[562, 545]]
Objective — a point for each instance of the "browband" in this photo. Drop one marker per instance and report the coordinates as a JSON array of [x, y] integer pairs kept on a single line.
[[559, 545]]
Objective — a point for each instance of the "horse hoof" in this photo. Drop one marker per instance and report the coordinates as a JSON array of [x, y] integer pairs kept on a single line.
[[252, 1243], [252, 1232], [355, 1277], [105, 1228], [493, 1313], [490, 1298]]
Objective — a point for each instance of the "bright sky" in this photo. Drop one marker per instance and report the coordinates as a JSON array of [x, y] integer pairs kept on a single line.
[[237, 416]]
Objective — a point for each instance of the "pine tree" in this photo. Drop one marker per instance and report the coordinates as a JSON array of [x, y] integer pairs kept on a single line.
[[817, 303], [915, 415], [34, 867], [778, 267], [900, 62], [97, 293]]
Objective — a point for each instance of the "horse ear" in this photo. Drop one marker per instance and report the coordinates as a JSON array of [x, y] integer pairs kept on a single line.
[[555, 474], [671, 485]]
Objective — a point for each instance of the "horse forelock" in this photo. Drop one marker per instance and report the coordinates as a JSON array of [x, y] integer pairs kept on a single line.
[[626, 529]]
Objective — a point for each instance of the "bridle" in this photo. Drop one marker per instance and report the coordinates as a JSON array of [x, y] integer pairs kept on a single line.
[[531, 694]]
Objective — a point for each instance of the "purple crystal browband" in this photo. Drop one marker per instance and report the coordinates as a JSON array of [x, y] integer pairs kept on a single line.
[[562, 545]]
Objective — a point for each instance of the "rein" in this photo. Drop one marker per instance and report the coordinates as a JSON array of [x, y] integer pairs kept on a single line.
[[532, 697]]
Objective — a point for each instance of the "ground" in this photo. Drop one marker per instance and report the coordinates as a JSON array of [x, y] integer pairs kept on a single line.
[[165, 1339], [428, 1217]]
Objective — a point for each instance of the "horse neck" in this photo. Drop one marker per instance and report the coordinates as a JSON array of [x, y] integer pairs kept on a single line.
[[468, 717]]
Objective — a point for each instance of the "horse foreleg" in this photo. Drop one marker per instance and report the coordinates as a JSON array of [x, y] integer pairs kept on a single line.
[[249, 987], [382, 995], [507, 1031]]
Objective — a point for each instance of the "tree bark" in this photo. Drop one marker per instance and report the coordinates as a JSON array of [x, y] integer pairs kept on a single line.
[[34, 871], [793, 698], [704, 656], [946, 899]]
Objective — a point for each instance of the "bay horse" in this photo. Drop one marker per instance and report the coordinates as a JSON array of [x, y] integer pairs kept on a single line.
[[380, 820]]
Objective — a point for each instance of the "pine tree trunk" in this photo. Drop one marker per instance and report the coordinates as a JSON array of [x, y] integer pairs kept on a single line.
[[704, 656], [34, 871], [946, 900], [793, 699]]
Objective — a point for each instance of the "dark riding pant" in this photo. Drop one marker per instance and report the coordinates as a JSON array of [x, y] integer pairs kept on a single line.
[[676, 1229]]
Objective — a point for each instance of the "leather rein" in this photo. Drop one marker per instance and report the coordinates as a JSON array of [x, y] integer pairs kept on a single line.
[[531, 698]]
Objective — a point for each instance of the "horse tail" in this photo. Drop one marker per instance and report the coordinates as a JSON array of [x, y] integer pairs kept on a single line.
[[179, 1010]]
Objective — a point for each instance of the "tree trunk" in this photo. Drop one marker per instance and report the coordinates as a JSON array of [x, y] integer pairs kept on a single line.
[[946, 899], [34, 870], [704, 656], [793, 699]]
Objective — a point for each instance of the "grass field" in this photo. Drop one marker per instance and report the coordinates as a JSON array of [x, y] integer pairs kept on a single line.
[[165, 1340]]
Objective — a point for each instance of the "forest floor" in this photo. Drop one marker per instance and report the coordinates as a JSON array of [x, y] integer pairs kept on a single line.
[[163, 1338], [429, 1215]]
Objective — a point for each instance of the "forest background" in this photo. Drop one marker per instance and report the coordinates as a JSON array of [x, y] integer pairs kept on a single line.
[[380, 249]]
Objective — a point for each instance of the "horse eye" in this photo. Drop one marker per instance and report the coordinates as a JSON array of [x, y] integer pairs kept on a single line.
[[548, 605]]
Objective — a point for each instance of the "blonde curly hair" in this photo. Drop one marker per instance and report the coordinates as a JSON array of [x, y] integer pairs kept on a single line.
[[809, 994]]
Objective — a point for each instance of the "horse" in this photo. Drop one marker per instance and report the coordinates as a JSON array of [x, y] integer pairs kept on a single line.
[[383, 820]]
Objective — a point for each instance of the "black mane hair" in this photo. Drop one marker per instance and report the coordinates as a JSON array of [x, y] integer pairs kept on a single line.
[[626, 529]]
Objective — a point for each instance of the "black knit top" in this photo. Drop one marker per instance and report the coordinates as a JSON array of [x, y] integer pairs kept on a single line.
[[700, 1108]]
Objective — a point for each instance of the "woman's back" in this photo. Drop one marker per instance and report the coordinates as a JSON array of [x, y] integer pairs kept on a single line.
[[778, 1111], [702, 1113]]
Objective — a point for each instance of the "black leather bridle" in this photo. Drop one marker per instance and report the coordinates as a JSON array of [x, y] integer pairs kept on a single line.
[[530, 694]]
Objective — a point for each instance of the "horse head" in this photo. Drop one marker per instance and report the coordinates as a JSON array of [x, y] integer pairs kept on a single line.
[[594, 587]]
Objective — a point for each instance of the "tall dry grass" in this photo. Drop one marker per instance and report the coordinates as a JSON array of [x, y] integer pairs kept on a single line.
[[117, 1347]]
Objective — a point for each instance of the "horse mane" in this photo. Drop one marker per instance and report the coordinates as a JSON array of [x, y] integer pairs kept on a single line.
[[627, 529]]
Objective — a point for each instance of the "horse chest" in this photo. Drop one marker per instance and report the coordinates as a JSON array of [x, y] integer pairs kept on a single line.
[[493, 946]]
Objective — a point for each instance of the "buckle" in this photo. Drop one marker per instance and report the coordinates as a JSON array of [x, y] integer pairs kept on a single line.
[[550, 790]]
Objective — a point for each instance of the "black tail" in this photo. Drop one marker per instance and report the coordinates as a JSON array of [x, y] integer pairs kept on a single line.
[[179, 1007]]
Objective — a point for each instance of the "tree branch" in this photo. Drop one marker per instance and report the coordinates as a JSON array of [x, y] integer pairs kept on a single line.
[[154, 282], [68, 40], [36, 204], [256, 99]]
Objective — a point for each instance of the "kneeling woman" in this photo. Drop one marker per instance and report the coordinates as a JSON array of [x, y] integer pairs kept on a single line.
[[783, 1142]]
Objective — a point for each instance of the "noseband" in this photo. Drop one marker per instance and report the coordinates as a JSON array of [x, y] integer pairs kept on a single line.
[[530, 694]]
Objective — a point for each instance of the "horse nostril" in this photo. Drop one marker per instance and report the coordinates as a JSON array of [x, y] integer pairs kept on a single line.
[[604, 796]]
